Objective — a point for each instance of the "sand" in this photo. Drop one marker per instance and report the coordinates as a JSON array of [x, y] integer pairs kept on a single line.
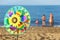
[[34, 33]]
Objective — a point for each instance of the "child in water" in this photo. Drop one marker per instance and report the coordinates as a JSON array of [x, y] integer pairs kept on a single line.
[[37, 22], [43, 20], [51, 19]]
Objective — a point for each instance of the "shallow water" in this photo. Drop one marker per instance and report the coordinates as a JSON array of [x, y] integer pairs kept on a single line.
[[36, 12]]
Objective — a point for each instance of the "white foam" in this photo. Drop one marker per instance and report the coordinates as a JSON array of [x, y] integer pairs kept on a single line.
[[56, 25]]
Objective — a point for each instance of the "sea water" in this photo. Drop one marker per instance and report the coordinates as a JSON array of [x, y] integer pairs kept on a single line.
[[36, 12]]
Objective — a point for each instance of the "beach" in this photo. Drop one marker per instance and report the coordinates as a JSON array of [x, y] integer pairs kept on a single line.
[[34, 33]]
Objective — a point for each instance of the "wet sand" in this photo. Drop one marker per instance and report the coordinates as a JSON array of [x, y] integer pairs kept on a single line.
[[34, 33]]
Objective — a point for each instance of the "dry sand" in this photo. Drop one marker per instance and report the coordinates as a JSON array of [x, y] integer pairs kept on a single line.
[[34, 33]]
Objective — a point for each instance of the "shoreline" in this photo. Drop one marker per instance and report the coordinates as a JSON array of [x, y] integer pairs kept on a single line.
[[37, 26]]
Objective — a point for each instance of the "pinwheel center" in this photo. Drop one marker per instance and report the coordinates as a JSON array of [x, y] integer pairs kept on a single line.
[[14, 19]]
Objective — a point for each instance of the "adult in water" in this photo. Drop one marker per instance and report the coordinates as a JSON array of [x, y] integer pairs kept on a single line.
[[43, 20], [51, 21]]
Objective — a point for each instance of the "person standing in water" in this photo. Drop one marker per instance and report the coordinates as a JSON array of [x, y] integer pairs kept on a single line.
[[36, 22], [43, 20], [51, 21]]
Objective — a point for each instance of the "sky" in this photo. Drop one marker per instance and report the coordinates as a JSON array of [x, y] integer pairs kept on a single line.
[[29, 2]]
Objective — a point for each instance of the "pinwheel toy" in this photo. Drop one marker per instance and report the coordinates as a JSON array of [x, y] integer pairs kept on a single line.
[[17, 20]]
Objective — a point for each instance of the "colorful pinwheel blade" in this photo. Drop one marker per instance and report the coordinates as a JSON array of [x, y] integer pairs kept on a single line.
[[17, 20]]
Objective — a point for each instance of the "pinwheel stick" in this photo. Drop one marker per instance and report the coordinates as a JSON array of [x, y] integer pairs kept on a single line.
[[17, 33]]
